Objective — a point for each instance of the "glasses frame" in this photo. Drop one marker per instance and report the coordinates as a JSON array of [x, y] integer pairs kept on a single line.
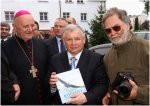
[[115, 28]]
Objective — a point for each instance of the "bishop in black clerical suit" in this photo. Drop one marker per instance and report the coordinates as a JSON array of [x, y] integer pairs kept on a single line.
[[33, 90]]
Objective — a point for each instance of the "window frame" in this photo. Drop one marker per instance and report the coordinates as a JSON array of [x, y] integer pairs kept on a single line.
[[68, 1], [83, 17], [66, 15], [80, 1], [43, 16], [9, 15], [42, 0]]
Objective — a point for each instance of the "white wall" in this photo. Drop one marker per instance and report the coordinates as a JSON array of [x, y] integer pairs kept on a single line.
[[52, 7]]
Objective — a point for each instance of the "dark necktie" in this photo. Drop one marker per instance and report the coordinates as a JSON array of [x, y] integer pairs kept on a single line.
[[73, 60], [62, 47]]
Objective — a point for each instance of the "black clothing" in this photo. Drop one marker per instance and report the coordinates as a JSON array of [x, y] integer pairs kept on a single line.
[[7, 81], [33, 90], [92, 71]]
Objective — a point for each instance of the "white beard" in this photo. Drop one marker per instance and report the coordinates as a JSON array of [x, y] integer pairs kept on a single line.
[[121, 39]]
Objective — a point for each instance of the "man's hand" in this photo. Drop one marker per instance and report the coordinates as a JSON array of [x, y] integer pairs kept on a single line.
[[17, 91], [133, 93], [106, 99], [53, 80], [78, 99]]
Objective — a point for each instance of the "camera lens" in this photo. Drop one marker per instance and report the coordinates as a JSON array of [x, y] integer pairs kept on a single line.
[[124, 89]]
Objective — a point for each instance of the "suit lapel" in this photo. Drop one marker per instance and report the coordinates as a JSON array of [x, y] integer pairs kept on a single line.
[[55, 46], [83, 60], [65, 61]]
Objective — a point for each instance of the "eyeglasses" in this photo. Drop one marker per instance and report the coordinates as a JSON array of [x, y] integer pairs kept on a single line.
[[69, 22], [116, 28]]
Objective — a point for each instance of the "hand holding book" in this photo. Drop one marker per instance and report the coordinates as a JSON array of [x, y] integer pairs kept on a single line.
[[69, 84], [78, 99]]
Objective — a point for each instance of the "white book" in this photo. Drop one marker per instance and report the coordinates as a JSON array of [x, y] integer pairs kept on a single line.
[[70, 83]]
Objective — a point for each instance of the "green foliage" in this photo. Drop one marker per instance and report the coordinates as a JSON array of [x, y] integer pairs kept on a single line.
[[97, 35], [136, 24], [146, 7]]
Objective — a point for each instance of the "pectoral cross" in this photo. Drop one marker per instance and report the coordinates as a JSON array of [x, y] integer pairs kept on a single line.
[[33, 71]]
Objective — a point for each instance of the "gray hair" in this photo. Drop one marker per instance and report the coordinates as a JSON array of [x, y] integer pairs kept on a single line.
[[72, 27], [5, 24], [122, 15], [61, 19]]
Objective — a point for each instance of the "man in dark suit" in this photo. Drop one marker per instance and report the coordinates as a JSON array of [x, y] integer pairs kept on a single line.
[[90, 65], [10, 89], [54, 44], [27, 63]]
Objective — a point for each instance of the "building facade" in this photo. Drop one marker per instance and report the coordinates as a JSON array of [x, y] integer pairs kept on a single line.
[[46, 11]]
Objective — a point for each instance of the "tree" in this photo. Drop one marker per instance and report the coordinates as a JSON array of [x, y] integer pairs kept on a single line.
[[145, 25], [97, 35], [136, 24], [146, 7]]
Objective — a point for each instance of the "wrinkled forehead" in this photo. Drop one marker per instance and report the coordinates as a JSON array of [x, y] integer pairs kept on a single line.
[[24, 20], [25, 17], [113, 20]]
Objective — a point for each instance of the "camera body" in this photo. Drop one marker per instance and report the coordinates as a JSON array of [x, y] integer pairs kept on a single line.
[[122, 85]]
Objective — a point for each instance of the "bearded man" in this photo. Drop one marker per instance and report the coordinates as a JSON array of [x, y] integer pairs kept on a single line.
[[128, 58]]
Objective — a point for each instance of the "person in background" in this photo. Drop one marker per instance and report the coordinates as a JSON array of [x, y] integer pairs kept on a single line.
[[52, 32], [36, 31], [5, 29], [26, 62], [10, 89], [72, 20], [55, 44], [127, 60], [90, 65]]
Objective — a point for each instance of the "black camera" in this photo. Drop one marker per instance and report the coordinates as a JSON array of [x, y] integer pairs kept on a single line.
[[122, 85]]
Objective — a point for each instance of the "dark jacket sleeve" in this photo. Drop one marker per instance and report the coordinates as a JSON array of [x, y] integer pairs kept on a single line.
[[7, 81]]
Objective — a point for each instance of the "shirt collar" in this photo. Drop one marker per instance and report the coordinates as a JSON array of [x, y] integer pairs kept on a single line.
[[76, 56], [4, 39], [58, 39]]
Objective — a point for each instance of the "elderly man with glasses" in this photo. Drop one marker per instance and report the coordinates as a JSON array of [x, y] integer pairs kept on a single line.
[[127, 61]]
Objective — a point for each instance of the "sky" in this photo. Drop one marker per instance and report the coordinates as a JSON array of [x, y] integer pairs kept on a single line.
[[133, 7]]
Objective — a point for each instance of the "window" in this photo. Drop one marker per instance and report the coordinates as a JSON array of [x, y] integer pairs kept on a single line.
[[43, 0], [9, 15], [66, 15], [43, 16], [68, 1], [80, 1], [83, 16]]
